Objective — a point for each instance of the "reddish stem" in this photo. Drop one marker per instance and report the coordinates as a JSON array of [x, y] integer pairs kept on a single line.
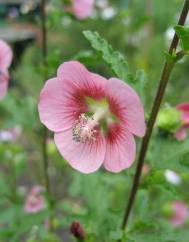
[[167, 69]]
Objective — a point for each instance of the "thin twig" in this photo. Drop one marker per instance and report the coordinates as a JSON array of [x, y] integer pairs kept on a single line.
[[45, 161], [44, 31], [167, 69], [45, 131]]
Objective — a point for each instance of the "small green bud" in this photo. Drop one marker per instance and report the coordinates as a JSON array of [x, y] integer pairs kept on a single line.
[[167, 210], [169, 119]]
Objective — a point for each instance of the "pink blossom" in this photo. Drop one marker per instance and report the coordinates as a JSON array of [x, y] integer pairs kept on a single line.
[[47, 224], [94, 119], [81, 8], [5, 61], [10, 135], [35, 201], [184, 108], [181, 133], [180, 213]]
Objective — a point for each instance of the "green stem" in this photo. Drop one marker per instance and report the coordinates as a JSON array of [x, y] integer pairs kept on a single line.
[[167, 69], [13, 180], [45, 131]]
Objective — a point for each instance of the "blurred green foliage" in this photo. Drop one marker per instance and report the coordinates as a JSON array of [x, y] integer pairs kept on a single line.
[[140, 31]]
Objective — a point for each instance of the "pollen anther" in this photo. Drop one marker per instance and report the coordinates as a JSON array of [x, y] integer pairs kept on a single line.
[[84, 129]]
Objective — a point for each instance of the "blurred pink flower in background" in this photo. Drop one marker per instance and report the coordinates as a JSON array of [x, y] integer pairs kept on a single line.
[[180, 213], [94, 119], [10, 135], [5, 61], [181, 133], [47, 224], [35, 201], [81, 8]]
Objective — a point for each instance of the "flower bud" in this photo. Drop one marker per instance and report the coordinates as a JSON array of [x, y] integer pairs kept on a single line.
[[169, 119], [167, 210], [77, 230]]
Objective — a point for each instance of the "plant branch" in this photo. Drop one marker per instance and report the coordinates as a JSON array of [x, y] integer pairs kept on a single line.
[[44, 31], [167, 69], [45, 131]]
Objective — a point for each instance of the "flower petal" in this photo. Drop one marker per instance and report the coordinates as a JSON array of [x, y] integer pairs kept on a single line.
[[85, 157], [88, 83], [184, 108], [181, 133], [59, 105], [5, 55], [181, 213], [126, 105], [120, 150]]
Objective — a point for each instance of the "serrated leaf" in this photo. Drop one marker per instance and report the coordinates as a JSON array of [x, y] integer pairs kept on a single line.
[[183, 34], [115, 59]]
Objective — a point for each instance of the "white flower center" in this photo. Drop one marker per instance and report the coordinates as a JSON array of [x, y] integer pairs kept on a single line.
[[85, 127]]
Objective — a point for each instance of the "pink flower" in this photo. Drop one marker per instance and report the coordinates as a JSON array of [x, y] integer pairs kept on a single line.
[[81, 8], [94, 119], [5, 61], [182, 132], [10, 135], [35, 201], [180, 213], [184, 108], [47, 224]]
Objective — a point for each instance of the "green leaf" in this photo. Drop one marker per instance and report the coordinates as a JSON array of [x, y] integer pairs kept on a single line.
[[142, 204], [183, 34], [158, 231], [141, 84], [116, 235], [160, 237], [20, 111], [115, 59], [168, 153]]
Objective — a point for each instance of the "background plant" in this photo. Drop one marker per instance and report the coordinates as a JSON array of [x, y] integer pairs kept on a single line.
[[136, 37]]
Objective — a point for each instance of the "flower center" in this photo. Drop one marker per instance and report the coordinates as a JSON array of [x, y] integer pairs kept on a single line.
[[85, 127], [33, 200]]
